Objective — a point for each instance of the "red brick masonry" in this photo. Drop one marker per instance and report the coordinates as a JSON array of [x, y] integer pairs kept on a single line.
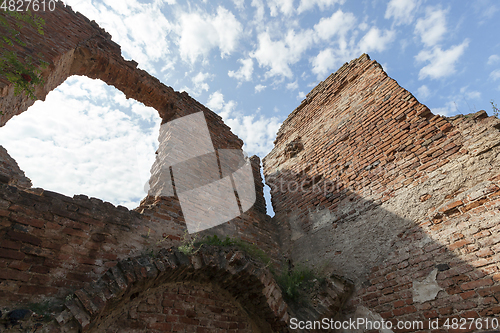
[[367, 185]]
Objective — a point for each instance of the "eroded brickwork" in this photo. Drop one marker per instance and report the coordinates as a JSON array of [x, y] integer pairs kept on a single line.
[[10, 171], [82, 48], [188, 307], [370, 185], [367, 184], [456, 251], [51, 244], [161, 279]]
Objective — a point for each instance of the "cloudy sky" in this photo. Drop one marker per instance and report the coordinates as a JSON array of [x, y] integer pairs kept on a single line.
[[252, 62]]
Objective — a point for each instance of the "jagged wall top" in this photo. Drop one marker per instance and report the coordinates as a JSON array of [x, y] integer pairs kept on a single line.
[[335, 78], [369, 185]]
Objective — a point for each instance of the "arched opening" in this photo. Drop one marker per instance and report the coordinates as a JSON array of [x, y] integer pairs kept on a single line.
[[172, 291], [183, 306], [86, 138]]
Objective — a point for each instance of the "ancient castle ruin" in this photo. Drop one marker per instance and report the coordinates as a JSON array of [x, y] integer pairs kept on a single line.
[[398, 208]]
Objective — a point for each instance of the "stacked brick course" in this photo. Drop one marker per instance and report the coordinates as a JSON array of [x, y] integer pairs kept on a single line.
[[172, 291], [204, 309], [82, 48], [367, 184], [464, 263], [10, 172], [370, 185], [51, 244]]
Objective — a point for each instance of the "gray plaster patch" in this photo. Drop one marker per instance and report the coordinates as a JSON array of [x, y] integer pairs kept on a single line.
[[427, 289]]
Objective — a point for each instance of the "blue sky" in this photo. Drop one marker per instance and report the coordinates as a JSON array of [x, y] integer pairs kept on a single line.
[[252, 62]]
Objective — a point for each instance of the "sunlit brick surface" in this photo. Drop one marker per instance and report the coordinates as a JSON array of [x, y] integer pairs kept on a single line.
[[370, 185]]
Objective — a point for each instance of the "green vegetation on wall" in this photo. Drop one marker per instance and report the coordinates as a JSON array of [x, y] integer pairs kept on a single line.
[[294, 283], [23, 73], [495, 108]]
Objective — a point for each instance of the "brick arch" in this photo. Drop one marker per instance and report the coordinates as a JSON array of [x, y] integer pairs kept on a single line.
[[55, 244], [83, 48], [248, 281], [182, 306]]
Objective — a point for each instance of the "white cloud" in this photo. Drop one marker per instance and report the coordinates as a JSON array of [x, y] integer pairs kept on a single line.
[[258, 133], [260, 10], [278, 55], [469, 94], [146, 114], [199, 84], [301, 95], [343, 48], [363, 26], [298, 42], [339, 23], [228, 29], [322, 4], [324, 62], [245, 71], [197, 36], [441, 63], [376, 40], [495, 75], [86, 145], [274, 55], [493, 59], [240, 4], [284, 6], [473, 94], [259, 88], [292, 85], [140, 29], [122, 7], [423, 92], [401, 10], [149, 29], [432, 28], [200, 33], [485, 9], [215, 101], [447, 110]]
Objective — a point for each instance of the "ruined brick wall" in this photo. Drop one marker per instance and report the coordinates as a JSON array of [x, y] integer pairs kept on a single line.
[[10, 171], [52, 245], [165, 291], [368, 184], [444, 267], [172, 291], [56, 47], [82, 48], [185, 307], [253, 226]]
